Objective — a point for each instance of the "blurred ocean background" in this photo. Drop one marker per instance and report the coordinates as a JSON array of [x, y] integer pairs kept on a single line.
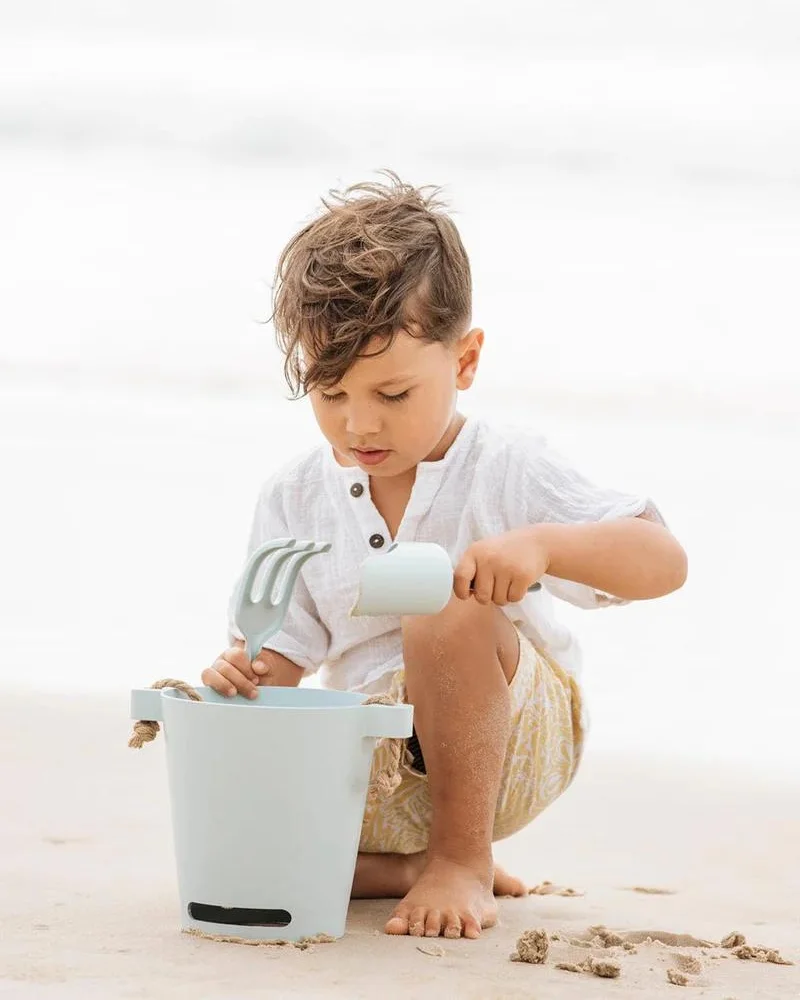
[[626, 177]]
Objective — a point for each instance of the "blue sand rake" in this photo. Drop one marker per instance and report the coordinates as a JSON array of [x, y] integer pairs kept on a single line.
[[257, 616], [267, 795]]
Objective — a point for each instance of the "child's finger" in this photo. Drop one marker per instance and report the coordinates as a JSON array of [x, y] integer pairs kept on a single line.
[[517, 591], [483, 585], [500, 594], [243, 684], [261, 666], [213, 678], [237, 658], [462, 577], [281, 675]]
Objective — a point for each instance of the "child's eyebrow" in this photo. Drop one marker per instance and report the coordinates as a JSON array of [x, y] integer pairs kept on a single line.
[[394, 380]]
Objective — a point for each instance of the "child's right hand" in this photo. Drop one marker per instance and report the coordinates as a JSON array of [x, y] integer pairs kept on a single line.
[[233, 673]]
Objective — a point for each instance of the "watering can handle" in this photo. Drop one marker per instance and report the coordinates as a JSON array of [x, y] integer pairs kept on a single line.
[[146, 704], [387, 721]]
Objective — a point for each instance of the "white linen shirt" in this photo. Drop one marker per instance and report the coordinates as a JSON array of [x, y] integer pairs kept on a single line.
[[490, 481]]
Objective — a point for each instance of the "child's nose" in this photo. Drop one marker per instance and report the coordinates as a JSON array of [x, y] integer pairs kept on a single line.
[[363, 420]]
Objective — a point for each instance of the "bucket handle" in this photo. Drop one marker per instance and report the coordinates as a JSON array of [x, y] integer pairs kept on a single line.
[[146, 704], [387, 721]]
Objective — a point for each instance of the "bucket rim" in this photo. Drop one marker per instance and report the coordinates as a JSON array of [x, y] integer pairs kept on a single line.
[[339, 700]]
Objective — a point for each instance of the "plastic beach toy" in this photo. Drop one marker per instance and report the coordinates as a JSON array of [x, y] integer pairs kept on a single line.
[[259, 616], [267, 799], [411, 578], [267, 795]]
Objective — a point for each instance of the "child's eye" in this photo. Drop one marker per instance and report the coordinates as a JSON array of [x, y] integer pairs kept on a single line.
[[397, 398], [329, 397]]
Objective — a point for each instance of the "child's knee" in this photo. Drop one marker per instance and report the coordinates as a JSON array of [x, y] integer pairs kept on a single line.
[[462, 627], [459, 621]]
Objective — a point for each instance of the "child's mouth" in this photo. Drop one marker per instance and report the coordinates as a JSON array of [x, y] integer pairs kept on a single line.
[[371, 457]]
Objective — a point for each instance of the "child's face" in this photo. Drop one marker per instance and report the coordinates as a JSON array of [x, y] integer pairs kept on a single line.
[[391, 411]]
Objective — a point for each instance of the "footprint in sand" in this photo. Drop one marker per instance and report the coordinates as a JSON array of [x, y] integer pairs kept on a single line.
[[551, 889], [649, 890], [667, 938], [600, 936]]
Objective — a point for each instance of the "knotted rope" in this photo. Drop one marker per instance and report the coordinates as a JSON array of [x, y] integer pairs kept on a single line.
[[385, 780], [382, 783], [147, 729]]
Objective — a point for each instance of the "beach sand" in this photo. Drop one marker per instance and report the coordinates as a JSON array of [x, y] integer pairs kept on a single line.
[[89, 899], [627, 190]]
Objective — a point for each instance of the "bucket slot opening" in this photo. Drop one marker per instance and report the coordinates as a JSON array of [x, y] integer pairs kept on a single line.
[[241, 916]]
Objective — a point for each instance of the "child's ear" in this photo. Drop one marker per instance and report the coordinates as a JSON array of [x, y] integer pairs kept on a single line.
[[468, 352]]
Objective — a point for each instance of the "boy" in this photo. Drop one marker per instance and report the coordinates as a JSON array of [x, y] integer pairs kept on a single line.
[[373, 313]]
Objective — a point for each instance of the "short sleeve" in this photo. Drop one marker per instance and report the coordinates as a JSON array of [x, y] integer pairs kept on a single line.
[[556, 492], [303, 638]]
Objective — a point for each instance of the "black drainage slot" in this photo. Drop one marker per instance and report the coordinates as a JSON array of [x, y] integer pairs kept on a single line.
[[242, 916]]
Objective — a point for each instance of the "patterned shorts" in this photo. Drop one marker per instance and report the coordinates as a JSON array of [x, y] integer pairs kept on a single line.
[[543, 753]]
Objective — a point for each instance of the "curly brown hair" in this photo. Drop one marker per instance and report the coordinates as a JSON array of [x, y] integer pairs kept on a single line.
[[381, 258]]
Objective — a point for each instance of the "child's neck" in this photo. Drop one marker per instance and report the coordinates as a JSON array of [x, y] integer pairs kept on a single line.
[[447, 439], [391, 494]]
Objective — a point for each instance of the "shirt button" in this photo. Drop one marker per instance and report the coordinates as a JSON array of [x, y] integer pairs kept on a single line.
[[376, 541], [356, 489]]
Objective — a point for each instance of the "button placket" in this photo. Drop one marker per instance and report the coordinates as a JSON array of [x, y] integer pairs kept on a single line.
[[423, 492], [367, 515]]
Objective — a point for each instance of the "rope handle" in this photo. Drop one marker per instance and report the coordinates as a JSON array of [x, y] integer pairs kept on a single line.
[[382, 783], [146, 730]]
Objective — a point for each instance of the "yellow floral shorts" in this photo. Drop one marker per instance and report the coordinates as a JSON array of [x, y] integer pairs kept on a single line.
[[543, 754]]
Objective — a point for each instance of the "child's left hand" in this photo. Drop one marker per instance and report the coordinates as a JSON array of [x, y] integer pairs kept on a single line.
[[499, 570]]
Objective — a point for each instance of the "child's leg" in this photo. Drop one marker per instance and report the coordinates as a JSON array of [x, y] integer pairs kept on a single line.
[[458, 665]]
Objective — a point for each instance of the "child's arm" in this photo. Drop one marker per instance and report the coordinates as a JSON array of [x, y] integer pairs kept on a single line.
[[232, 673], [632, 558], [596, 546]]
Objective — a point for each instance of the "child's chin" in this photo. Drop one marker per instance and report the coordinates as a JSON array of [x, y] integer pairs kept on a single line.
[[392, 465], [386, 467]]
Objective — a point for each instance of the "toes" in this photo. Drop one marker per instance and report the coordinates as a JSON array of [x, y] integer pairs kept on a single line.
[[416, 922], [396, 925], [433, 924], [452, 925], [472, 928], [398, 922]]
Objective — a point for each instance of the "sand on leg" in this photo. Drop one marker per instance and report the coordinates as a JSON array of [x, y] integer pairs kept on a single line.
[[458, 666]]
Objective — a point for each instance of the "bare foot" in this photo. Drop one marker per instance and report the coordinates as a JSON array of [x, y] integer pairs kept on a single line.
[[386, 876], [508, 885], [448, 898], [391, 876]]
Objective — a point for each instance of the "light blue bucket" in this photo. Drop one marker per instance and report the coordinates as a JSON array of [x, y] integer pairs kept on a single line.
[[267, 802]]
